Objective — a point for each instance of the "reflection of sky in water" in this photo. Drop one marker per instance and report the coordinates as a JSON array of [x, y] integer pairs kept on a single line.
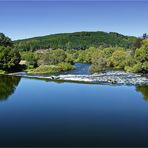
[[69, 114]]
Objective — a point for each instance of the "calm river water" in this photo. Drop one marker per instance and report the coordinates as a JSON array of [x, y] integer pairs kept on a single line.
[[43, 113]]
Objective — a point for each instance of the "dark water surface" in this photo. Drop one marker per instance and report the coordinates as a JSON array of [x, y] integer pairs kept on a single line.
[[80, 69], [40, 113]]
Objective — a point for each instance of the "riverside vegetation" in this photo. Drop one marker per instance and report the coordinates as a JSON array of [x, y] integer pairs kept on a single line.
[[102, 50], [9, 55]]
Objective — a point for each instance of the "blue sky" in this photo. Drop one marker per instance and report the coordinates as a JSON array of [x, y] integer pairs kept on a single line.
[[24, 19]]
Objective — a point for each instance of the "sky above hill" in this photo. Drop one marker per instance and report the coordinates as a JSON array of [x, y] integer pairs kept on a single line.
[[24, 19]]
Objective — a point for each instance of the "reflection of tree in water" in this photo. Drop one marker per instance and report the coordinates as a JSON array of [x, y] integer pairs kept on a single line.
[[144, 91], [8, 85]]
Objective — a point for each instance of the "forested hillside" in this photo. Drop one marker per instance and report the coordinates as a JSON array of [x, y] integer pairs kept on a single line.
[[78, 40]]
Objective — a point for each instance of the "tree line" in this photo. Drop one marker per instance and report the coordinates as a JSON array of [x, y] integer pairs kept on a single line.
[[101, 58], [76, 41]]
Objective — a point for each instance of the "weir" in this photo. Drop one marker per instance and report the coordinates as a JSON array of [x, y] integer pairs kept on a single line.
[[111, 77]]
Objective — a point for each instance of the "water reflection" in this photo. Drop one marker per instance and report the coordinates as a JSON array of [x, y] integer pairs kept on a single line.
[[144, 91], [8, 85]]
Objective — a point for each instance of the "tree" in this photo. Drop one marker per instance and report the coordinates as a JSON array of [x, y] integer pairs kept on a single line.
[[118, 58], [99, 65], [31, 59], [107, 53], [141, 56], [89, 53], [137, 43], [139, 62], [5, 41], [81, 56], [52, 57], [9, 58]]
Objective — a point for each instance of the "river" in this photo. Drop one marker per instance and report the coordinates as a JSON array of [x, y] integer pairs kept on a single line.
[[37, 112]]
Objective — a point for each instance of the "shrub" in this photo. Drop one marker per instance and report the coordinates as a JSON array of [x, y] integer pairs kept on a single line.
[[98, 66], [145, 67], [45, 69], [118, 59], [65, 66], [51, 68]]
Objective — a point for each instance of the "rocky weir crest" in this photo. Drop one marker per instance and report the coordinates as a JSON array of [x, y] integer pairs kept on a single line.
[[111, 77]]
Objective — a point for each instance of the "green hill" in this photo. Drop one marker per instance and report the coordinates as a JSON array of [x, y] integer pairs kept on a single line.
[[77, 40]]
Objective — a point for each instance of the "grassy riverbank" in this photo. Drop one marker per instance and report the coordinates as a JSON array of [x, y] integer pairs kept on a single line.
[[45, 69]]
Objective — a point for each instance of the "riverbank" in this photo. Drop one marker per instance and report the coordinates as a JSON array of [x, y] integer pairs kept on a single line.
[[110, 77]]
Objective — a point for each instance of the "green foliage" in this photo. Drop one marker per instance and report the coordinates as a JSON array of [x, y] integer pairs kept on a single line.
[[70, 58], [102, 50], [89, 53], [52, 57], [145, 66], [30, 58], [50, 61], [77, 41], [96, 55], [136, 68], [145, 42], [118, 59], [5, 41], [141, 57], [130, 61], [138, 43], [44, 69], [81, 58], [100, 58], [65, 66], [99, 62], [141, 54], [107, 54], [99, 65], [9, 58]]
